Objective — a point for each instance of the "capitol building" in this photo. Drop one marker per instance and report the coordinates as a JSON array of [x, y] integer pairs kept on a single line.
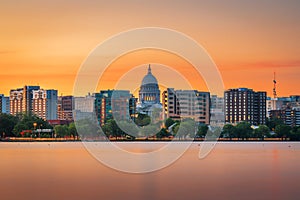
[[149, 94]]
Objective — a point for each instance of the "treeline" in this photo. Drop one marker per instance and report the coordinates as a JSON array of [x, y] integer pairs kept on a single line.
[[188, 128], [143, 128], [26, 125], [274, 128], [15, 126]]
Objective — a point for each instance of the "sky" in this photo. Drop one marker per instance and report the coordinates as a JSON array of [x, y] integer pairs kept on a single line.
[[45, 42]]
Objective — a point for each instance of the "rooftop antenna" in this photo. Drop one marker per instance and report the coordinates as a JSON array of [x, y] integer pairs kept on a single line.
[[274, 86]]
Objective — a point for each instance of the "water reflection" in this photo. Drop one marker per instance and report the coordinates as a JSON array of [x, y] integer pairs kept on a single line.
[[231, 171]]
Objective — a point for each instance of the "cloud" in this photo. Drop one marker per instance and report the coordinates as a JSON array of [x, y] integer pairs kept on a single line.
[[261, 65], [277, 64]]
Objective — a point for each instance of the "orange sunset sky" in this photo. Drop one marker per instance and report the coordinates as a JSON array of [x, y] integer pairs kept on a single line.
[[45, 42]]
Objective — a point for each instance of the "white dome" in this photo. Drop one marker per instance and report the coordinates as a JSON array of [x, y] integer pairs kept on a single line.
[[149, 78]]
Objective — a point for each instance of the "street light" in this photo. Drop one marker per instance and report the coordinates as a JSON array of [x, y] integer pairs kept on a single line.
[[34, 127]]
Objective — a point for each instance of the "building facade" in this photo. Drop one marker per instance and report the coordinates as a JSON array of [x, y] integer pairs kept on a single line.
[[288, 110], [4, 104], [21, 99], [149, 95], [217, 111], [273, 104], [289, 116], [114, 104], [244, 104], [44, 104], [84, 104], [180, 104], [65, 106], [149, 92], [16, 101]]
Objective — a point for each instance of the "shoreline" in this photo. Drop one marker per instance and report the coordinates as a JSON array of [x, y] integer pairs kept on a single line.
[[250, 140]]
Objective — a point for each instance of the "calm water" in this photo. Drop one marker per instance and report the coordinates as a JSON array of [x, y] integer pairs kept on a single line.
[[230, 171]]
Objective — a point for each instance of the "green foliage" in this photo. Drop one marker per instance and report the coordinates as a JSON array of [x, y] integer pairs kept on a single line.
[[163, 133], [149, 130], [229, 131], [244, 130], [295, 133], [72, 130], [186, 127], [29, 122], [262, 131], [202, 130], [7, 123], [129, 128], [61, 131], [88, 129], [282, 131], [273, 122], [176, 128], [142, 120], [169, 122], [111, 128]]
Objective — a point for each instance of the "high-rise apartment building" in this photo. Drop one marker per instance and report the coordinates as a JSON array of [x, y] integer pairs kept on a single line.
[[44, 104], [28, 96], [16, 101], [32, 99], [180, 104], [21, 99], [244, 104]]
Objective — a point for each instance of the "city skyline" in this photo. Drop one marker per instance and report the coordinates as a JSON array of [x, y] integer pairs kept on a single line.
[[45, 44], [139, 99]]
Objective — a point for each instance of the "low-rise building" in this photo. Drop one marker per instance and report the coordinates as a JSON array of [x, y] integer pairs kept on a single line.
[[180, 104], [4, 104]]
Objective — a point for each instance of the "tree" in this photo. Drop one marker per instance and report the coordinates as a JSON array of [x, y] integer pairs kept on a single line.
[[7, 123], [111, 129], [88, 129], [61, 131], [295, 133], [142, 120], [116, 131], [187, 127], [282, 131], [129, 128], [163, 133], [29, 122], [244, 130], [72, 130], [149, 130], [169, 122], [273, 122], [175, 130], [262, 131], [229, 131], [202, 130], [107, 130]]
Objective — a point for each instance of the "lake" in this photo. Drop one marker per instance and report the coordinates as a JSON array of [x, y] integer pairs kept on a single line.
[[65, 170]]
